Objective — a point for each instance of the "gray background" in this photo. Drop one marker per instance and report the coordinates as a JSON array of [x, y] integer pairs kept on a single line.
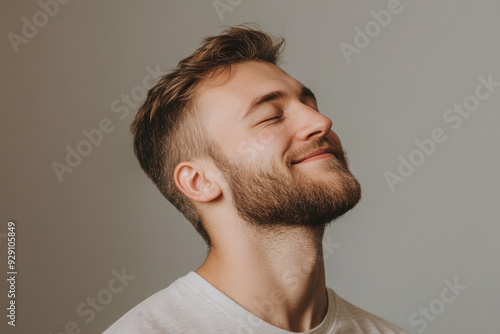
[[391, 254]]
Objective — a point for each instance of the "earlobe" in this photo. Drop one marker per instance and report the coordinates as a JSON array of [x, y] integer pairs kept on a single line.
[[192, 180]]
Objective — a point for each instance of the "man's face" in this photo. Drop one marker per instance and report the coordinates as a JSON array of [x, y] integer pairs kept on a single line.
[[263, 121]]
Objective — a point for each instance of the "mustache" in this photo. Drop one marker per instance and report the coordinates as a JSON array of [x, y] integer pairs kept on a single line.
[[337, 151]]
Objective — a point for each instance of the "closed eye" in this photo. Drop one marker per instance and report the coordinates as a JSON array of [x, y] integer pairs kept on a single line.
[[270, 119]]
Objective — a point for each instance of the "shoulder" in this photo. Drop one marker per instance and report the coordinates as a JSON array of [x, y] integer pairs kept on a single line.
[[350, 316], [167, 306]]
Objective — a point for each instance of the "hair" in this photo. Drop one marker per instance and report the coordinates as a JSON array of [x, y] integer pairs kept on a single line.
[[169, 129]]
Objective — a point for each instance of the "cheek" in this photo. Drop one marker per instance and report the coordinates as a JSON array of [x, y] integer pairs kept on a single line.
[[264, 143], [270, 136]]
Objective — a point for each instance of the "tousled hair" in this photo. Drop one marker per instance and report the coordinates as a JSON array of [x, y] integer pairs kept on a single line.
[[169, 129]]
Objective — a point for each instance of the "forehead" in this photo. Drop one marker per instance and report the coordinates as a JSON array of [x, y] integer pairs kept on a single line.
[[228, 96]]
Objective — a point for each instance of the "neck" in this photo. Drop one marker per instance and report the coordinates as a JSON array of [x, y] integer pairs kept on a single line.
[[277, 275]]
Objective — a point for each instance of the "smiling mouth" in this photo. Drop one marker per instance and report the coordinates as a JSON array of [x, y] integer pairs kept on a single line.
[[318, 157], [322, 153]]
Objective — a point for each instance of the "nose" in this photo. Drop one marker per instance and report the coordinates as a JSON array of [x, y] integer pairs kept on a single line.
[[312, 124]]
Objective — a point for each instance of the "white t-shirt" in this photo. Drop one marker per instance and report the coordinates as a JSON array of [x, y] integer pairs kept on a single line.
[[192, 305]]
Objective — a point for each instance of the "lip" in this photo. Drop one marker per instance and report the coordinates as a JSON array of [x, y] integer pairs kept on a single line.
[[319, 154]]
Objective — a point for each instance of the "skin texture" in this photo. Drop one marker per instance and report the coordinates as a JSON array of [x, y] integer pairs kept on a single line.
[[266, 214]]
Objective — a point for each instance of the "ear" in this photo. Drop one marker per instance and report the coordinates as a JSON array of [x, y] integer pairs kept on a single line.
[[195, 182]]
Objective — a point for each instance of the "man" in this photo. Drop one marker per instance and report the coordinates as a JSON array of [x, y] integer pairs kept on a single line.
[[241, 149]]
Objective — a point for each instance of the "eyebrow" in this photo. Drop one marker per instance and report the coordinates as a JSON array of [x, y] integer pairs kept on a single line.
[[276, 95]]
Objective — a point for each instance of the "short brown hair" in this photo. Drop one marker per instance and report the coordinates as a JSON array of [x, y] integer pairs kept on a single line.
[[168, 129]]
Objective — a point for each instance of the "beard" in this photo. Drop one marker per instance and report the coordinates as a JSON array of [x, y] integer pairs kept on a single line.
[[273, 194]]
